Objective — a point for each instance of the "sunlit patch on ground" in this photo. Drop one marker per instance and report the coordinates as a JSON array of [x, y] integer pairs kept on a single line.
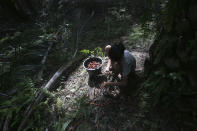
[[107, 111]]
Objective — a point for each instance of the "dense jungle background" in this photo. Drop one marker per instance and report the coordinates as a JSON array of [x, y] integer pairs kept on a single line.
[[43, 85]]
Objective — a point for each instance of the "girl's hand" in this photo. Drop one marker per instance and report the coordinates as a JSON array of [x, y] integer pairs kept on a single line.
[[104, 85], [107, 72]]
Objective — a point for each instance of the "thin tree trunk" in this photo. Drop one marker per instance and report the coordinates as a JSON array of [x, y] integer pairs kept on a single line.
[[6, 124], [40, 73]]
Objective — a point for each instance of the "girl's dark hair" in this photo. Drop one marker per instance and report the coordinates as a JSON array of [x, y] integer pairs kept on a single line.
[[116, 52]]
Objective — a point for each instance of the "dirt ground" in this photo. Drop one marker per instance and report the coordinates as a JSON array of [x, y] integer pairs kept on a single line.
[[103, 109], [111, 108]]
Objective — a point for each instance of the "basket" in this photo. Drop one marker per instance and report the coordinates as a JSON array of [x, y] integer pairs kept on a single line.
[[93, 72]]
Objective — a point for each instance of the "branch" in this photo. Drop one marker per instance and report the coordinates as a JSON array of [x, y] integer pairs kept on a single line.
[[40, 73], [48, 86], [50, 83], [3, 94]]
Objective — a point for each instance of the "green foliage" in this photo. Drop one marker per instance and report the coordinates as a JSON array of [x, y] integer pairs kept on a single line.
[[14, 106], [84, 107], [96, 52], [23, 53], [136, 33], [82, 110], [59, 103], [62, 126], [85, 51], [141, 36], [172, 88], [167, 90]]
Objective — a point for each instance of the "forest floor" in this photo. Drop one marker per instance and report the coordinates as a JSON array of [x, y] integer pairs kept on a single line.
[[79, 102], [85, 105], [100, 109]]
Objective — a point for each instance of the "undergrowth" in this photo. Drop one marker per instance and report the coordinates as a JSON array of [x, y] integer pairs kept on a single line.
[[171, 85]]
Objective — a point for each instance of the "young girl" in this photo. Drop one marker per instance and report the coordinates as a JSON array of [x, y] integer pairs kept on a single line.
[[121, 62]]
